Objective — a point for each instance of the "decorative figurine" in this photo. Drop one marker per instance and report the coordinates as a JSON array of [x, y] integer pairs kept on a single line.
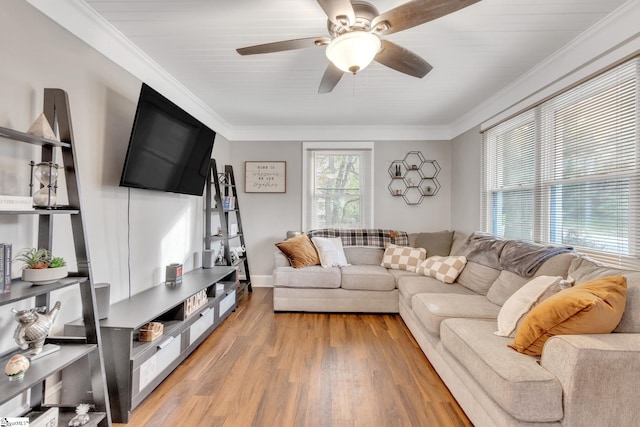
[[34, 325], [16, 367], [82, 415]]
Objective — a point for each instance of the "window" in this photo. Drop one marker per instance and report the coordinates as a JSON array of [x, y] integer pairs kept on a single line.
[[566, 171], [511, 165], [337, 186]]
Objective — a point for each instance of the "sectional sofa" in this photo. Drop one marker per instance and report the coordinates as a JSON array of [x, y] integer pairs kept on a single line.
[[578, 380]]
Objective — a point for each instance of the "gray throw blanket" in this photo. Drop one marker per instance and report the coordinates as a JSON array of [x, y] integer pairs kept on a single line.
[[517, 256]]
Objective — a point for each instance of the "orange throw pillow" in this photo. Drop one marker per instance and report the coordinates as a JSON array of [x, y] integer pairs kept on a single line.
[[300, 251], [594, 307]]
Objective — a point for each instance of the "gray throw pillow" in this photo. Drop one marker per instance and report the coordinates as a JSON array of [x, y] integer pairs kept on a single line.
[[438, 243]]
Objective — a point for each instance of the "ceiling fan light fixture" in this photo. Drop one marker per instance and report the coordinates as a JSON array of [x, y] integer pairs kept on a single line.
[[353, 51]]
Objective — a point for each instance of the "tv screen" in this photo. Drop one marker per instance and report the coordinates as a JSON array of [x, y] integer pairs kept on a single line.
[[169, 150]]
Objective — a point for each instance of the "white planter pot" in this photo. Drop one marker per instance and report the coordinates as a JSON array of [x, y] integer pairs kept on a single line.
[[44, 276]]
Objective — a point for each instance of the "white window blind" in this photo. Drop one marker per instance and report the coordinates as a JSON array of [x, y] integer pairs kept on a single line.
[[510, 178], [566, 171]]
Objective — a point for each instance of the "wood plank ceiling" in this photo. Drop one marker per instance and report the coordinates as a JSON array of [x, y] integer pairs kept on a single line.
[[475, 53]]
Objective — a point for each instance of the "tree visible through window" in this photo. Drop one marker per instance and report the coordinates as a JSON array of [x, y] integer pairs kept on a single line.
[[337, 190], [338, 186]]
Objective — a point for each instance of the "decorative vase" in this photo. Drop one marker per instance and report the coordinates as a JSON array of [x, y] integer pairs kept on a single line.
[[44, 276]]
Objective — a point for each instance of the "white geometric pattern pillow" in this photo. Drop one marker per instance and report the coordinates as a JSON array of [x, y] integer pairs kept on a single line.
[[403, 257], [444, 268], [519, 304]]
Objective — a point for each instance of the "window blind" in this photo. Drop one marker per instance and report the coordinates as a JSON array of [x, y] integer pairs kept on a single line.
[[566, 171]]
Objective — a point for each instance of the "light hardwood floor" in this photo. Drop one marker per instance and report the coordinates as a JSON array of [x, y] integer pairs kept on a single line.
[[261, 368]]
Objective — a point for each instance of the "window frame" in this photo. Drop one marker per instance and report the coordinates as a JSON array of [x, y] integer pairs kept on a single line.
[[548, 152], [364, 148]]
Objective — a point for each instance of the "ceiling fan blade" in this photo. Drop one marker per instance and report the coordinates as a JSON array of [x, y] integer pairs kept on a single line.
[[415, 12], [403, 60], [330, 79], [340, 12], [284, 45]]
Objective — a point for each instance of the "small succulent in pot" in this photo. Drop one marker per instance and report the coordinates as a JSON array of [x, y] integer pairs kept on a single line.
[[57, 262], [34, 258], [39, 258], [40, 267]]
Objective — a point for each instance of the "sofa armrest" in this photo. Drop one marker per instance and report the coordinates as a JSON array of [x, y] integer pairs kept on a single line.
[[280, 260], [599, 375]]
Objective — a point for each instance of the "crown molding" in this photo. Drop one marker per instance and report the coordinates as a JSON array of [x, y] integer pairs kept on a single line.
[[85, 23], [90, 27], [340, 133], [610, 40]]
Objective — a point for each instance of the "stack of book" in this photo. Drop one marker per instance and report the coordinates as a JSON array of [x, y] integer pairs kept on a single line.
[[229, 203], [5, 267]]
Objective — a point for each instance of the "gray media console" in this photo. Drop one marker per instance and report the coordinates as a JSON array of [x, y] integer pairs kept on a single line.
[[135, 368]]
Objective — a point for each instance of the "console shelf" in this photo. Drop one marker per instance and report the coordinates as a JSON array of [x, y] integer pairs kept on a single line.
[[135, 368]]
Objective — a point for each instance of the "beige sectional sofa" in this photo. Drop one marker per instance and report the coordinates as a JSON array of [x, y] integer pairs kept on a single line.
[[580, 380]]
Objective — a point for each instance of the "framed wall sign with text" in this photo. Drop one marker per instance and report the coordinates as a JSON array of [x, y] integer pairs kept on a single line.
[[265, 177]]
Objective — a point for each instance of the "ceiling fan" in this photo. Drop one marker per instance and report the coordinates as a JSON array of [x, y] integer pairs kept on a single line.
[[354, 39]]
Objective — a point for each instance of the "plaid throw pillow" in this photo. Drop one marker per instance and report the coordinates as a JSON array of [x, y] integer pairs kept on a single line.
[[444, 268], [403, 257]]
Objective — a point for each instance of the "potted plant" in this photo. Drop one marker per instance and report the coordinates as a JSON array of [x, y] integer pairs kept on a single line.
[[40, 267]]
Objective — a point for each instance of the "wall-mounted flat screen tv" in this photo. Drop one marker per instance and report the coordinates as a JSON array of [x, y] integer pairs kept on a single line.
[[169, 150]]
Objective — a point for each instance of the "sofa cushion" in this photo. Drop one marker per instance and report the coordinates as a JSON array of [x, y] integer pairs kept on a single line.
[[358, 255], [478, 277], [403, 257], [516, 382], [504, 286], [300, 251], [583, 269], [432, 309], [458, 244], [367, 277], [330, 251], [524, 299], [397, 274], [594, 307], [508, 282], [438, 243], [308, 277], [412, 285], [446, 269]]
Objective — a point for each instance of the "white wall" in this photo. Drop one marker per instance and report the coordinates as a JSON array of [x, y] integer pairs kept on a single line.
[[465, 181], [163, 227], [267, 217]]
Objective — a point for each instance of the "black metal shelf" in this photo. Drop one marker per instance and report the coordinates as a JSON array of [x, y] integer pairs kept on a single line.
[[42, 368], [16, 135], [21, 290], [220, 186], [65, 211], [88, 347]]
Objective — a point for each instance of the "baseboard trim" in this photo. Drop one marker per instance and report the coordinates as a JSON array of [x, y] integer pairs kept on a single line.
[[262, 281]]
